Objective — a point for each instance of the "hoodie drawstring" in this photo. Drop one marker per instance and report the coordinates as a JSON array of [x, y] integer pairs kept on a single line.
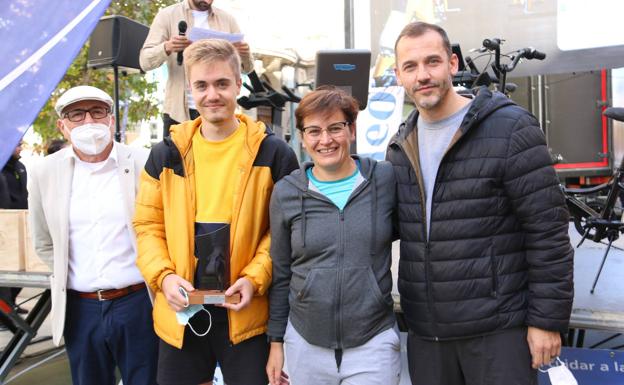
[[373, 218], [338, 357], [303, 219]]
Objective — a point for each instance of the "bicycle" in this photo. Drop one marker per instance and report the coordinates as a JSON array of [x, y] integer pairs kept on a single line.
[[492, 47], [594, 220]]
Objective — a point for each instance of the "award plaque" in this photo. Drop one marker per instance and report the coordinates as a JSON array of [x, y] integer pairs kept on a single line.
[[212, 277], [211, 297]]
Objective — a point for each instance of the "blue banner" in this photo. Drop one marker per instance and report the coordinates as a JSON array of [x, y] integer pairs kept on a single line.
[[40, 39], [592, 366]]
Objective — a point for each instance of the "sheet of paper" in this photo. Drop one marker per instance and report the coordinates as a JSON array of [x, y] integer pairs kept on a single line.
[[204, 33]]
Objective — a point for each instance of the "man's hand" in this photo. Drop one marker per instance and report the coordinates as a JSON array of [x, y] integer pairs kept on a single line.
[[171, 289], [544, 345], [246, 290], [242, 48], [275, 364], [176, 44]]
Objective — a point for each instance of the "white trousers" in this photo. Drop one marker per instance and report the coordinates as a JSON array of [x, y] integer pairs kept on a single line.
[[377, 362]]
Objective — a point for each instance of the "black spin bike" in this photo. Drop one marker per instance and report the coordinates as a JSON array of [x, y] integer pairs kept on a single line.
[[593, 219]]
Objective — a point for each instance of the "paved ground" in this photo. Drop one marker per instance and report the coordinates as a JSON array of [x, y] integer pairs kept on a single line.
[[607, 297], [55, 369]]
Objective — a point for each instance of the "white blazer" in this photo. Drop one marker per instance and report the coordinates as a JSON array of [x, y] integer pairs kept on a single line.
[[49, 188]]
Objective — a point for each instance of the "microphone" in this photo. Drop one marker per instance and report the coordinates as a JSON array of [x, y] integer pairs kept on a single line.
[[181, 31]]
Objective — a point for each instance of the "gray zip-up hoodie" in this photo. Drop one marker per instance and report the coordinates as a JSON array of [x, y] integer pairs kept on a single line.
[[331, 268]]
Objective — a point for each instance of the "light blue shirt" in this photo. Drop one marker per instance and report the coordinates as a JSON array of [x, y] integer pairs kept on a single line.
[[337, 191]]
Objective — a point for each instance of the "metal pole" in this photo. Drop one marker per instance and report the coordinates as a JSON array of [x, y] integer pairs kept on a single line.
[[542, 117], [604, 258], [348, 24], [349, 42], [117, 123]]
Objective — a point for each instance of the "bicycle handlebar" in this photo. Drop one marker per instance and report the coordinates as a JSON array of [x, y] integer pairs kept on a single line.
[[492, 44], [531, 53], [528, 53], [500, 70]]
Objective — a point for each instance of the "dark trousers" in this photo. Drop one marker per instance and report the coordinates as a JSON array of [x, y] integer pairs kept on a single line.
[[100, 335], [9, 294], [495, 359], [241, 364], [168, 122]]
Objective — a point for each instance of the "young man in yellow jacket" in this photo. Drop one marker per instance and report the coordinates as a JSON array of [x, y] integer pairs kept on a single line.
[[213, 175]]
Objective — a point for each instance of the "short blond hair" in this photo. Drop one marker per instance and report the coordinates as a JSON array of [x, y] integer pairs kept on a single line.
[[208, 51]]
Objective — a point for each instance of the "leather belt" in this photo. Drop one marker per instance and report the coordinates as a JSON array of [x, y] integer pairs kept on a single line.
[[107, 295]]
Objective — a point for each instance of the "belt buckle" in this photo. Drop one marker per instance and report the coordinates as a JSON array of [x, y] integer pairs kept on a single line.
[[99, 295]]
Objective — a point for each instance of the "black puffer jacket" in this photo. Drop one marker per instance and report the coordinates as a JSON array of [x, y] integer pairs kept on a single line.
[[14, 173], [498, 254]]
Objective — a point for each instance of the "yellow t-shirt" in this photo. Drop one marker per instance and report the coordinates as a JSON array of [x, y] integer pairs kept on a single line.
[[217, 175]]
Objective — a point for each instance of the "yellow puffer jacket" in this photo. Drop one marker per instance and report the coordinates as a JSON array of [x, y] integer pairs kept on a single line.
[[165, 216]]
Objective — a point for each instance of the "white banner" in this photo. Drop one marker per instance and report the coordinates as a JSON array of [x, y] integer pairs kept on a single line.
[[379, 121]]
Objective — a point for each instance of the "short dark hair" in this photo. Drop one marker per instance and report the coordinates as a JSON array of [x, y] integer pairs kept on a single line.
[[55, 145], [326, 100], [419, 28]]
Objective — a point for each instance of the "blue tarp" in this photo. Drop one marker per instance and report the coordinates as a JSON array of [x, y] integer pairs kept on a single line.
[[40, 39]]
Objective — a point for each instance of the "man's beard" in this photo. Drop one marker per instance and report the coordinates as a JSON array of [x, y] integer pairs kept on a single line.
[[430, 101], [203, 5]]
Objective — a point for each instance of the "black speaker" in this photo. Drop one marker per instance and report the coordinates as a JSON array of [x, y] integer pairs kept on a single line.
[[117, 41]]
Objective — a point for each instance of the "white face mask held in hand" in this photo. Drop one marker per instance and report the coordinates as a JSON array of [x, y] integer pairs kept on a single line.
[[185, 315], [91, 138], [559, 374]]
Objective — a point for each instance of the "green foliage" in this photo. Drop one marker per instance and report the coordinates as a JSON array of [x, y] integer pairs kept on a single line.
[[133, 88]]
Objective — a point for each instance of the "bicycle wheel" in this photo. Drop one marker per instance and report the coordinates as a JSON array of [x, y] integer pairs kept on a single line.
[[580, 221], [580, 224], [580, 218]]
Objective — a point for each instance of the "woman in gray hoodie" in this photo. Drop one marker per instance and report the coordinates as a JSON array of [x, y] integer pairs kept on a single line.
[[331, 234]]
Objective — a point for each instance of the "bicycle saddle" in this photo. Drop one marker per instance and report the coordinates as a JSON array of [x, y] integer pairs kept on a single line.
[[615, 113]]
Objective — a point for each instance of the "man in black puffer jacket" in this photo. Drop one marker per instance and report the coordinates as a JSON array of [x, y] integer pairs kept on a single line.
[[485, 272], [14, 196]]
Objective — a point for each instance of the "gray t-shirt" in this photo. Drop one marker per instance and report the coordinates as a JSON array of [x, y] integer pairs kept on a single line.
[[433, 141]]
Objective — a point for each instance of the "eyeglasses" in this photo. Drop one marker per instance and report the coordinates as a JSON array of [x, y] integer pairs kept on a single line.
[[79, 115], [335, 130]]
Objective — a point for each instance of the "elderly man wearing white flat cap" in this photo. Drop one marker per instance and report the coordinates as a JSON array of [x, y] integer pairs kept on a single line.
[[81, 207]]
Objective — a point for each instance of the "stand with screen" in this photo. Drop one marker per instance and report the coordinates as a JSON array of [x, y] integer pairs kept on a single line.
[[348, 69]]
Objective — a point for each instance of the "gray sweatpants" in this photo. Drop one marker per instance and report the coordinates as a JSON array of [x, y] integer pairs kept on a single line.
[[376, 362]]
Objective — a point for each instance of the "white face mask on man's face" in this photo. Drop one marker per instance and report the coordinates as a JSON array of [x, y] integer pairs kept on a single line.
[[91, 138]]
